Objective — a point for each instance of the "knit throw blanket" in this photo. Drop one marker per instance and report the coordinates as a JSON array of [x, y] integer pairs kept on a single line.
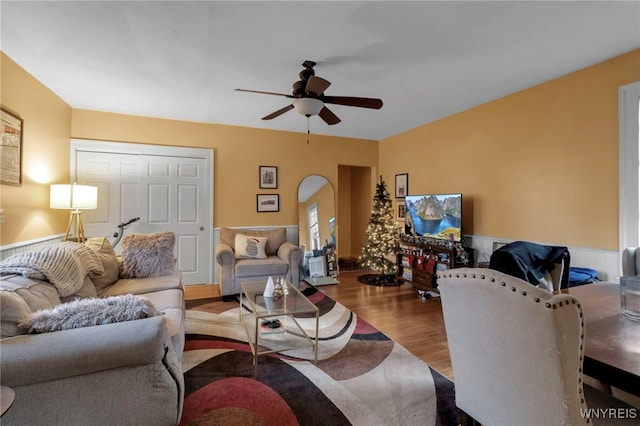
[[65, 265]]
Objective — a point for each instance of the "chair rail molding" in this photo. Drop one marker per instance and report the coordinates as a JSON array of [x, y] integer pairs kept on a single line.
[[24, 246]]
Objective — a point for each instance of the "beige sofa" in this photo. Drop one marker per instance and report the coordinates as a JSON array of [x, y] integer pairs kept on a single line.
[[281, 258], [124, 373]]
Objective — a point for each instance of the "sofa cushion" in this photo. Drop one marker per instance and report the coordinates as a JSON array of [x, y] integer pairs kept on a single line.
[[272, 265], [87, 290], [144, 285], [89, 312], [102, 246], [147, 255], [275, 237], [20, 297], [250, 247], [171, 304]]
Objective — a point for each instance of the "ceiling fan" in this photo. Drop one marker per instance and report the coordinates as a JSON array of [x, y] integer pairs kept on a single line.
[[309, 98]]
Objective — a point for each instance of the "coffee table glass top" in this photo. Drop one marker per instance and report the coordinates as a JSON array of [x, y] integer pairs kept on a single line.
[[293, 303]]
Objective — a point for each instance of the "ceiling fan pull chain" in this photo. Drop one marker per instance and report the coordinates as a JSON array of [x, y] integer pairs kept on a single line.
[[308, 132]]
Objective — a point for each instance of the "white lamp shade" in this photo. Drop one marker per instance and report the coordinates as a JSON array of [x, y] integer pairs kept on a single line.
[[74, 196], [308, 106]]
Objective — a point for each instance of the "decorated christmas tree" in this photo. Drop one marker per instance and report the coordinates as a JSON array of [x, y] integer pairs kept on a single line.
[[381, 233]]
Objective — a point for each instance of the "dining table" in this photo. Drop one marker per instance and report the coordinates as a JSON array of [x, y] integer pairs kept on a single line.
[[612, 340]]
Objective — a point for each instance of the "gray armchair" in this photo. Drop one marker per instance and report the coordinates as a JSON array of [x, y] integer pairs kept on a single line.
[[283, 259]]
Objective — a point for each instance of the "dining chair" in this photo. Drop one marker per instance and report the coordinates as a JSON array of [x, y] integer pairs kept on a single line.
[[631, 261], [516, 350]]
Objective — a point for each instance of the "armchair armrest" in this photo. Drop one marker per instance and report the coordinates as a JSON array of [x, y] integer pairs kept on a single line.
[[292, 254], [38, 358], [225, 255]]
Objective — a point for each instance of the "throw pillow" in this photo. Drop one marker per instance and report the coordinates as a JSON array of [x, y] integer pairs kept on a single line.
[[275, 237], [89, 312], [249, 247], [102, 246], [147, 255]]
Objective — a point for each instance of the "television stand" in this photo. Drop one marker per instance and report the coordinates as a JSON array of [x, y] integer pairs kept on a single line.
[[418, 260]]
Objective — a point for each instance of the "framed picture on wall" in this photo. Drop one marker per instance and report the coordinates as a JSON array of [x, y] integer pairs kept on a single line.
[[268, 177], [402, 185], [10, 148], [268, 202], [401, 211]]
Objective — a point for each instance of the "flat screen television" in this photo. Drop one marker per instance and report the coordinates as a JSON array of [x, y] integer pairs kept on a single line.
[[434, 216]]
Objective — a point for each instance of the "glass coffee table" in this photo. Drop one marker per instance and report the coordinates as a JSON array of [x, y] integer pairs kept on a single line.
[[286, 334]]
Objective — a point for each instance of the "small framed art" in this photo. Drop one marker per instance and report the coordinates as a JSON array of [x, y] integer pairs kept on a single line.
[[268, 177], [401, 211], [402, 185], [10, 148], [268, 202]]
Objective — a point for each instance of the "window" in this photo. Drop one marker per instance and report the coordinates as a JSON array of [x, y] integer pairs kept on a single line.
[[314, 227]]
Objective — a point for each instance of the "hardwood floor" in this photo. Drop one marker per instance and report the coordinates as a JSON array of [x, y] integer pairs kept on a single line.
[[399, 312]]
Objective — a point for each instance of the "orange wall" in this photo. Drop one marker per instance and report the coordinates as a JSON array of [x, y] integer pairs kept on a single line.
[[540, 164], [354, 208], [45, 156], [239, 151], [363, 182]]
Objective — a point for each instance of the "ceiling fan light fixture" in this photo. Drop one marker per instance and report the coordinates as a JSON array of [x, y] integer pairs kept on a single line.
[[308, 106]]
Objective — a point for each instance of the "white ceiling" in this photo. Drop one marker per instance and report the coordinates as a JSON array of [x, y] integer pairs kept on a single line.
[[425, 60]]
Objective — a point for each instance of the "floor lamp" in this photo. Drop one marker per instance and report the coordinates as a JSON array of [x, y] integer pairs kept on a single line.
[[75, 198]]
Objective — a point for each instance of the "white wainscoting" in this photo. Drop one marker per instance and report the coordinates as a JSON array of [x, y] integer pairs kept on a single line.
[[292, 237], [21, 247], [606, 262]]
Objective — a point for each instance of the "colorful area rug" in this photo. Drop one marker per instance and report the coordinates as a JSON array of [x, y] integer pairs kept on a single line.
[[361, 378]]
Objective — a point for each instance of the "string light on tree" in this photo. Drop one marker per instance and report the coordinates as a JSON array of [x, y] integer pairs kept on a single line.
[[381, 233]]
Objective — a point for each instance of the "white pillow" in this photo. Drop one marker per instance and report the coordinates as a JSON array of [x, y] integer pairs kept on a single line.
[[248, 247]]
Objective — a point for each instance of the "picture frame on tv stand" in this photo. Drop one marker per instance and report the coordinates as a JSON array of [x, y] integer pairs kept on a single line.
[[401, 211]]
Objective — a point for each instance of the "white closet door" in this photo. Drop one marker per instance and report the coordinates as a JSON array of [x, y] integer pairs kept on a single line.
[[175, 201], [168, 193]]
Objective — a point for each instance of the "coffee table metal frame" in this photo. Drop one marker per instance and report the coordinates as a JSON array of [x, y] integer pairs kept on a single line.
[[286, 307]]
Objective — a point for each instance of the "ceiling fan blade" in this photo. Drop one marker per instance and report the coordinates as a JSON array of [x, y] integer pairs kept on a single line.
[[317, 85], [278, 112], [264, 93], [329, 117], [352, 101]]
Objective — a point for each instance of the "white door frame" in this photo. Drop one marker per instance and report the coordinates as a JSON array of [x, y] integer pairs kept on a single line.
[[78, 145], [629, 194]]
